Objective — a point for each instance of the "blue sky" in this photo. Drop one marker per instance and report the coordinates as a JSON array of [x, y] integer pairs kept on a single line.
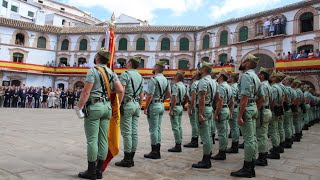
[[177, 12]]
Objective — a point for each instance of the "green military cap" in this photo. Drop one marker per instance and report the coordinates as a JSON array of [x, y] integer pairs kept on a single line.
[[180, 73], [136, 58], [289, 78], [223, 72], [104, 53], [266, 70], [208, 65], [161, 63], [253, 58], [276, 74], [282, 75], [297, 81]]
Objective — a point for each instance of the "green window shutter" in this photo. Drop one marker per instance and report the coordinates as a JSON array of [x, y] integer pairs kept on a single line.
[[205, 42], [243, 33], [183, 64], [14, 8], [140, 44], [223, 58], [83, 45], [165, 44], [184, 44], [141, 65], [42, 42], [306, 22], [17, 57], [123, 43], [224, 38], [65, 45], [30, 14], [103, 43], [5, 4]]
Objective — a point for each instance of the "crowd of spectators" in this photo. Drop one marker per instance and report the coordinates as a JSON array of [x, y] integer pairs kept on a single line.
[[274, 26], [298, 55], [38, 97]]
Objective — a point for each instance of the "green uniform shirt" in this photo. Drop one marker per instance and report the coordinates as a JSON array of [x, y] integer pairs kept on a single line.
[[154, 89], [235, 91], [225, 92], [193, 88], [93, 77], [307, 95], [291, 94], [179, 90], [249, 85], [277, 94], [300, 95], [266, 91], [137, 80], [207, 84]]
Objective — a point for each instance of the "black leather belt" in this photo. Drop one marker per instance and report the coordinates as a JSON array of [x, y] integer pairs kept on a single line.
[[225, 106], [251, 101], [129, 100], [207, 105], [266, 107], [157, 101], [96, 100]]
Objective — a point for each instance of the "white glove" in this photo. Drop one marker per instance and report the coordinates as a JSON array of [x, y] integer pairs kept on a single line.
[[79, 112]]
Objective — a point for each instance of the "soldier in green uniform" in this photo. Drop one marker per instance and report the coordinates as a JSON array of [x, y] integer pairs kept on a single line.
[[248, 90], [234, 129], [299, 115], [205, 96], [281, 119], [265, 115], [288, 117], [98, 107], [192, 112], [212, 123], [222, 113], [307, 100], [130, 109], [178, 93], [158, 91], [277, 112]]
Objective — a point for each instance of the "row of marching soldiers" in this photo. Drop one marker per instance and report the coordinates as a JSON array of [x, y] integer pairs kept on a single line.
[[267, 104]]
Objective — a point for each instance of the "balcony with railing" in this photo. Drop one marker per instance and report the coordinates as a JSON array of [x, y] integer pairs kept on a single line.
[[297, 66]]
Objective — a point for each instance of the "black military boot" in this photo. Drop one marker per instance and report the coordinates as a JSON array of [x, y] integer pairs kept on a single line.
[[193, 143], [233, 148], [220, 156], [287, 143], [205, 163], [296, 137], [241, 146], [126, 161], [99, 169], [176, 148], [253, 165], [229, 136], [275, 154], [305, 127], [153, 154], [281, 147], [213, 138], [90, 173], [131, 158], [262, 159], [158, 150], [245, 171]]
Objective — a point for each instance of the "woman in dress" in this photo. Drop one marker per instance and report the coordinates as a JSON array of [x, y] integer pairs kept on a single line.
[[30, 97], [45, 94], [52, 98], [71, 96]]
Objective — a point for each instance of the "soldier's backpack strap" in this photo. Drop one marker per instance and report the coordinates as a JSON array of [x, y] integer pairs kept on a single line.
[[103, 74], [212, 95], [132, 84], [162, 93]]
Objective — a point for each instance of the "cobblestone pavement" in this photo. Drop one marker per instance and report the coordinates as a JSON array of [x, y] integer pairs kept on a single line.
[[50, 144]]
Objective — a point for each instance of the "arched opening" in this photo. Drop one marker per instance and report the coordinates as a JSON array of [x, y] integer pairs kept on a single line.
[[122, 62], [141, 65], [183, 64], [306, 48], [205, 42], [259, 28], [123, 43], [140, 44], [15, 83], [20, 39], [306, 22], [103, 43], [63, 61], [81, 61], [61, 86], [18, 57], [206, 59], [243, 33], [311, 85], [165, 44], [184, 44], [265, 61], [79, 85], [83, 45], [65, 45], [224, 38], [42, 42], [223, 59]]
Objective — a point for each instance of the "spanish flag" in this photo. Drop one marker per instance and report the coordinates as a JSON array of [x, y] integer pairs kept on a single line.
[[114, 127]]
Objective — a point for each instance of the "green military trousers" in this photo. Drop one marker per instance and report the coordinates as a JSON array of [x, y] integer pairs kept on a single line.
[[194, 123], [96, 127], [287, 123], [204, 130], [296, 123], [212, 126], [248, 130], [234, 128], [274, 130], [222, 127], [307, 115], [300, 119], [155, 114], [262, 130], [176, 123], [281, 128], [129, 126]]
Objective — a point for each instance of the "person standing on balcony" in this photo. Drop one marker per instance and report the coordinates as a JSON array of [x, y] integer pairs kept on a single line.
[[272, 28], [283, 22], [222, 113], [158, 91], [206, 97], [130, 109], [277, 26], [248, 90], [266, 26], [178, 93], [192, 112]]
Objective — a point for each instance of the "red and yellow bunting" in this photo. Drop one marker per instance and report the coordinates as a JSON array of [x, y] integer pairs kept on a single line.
[[298, 64]]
